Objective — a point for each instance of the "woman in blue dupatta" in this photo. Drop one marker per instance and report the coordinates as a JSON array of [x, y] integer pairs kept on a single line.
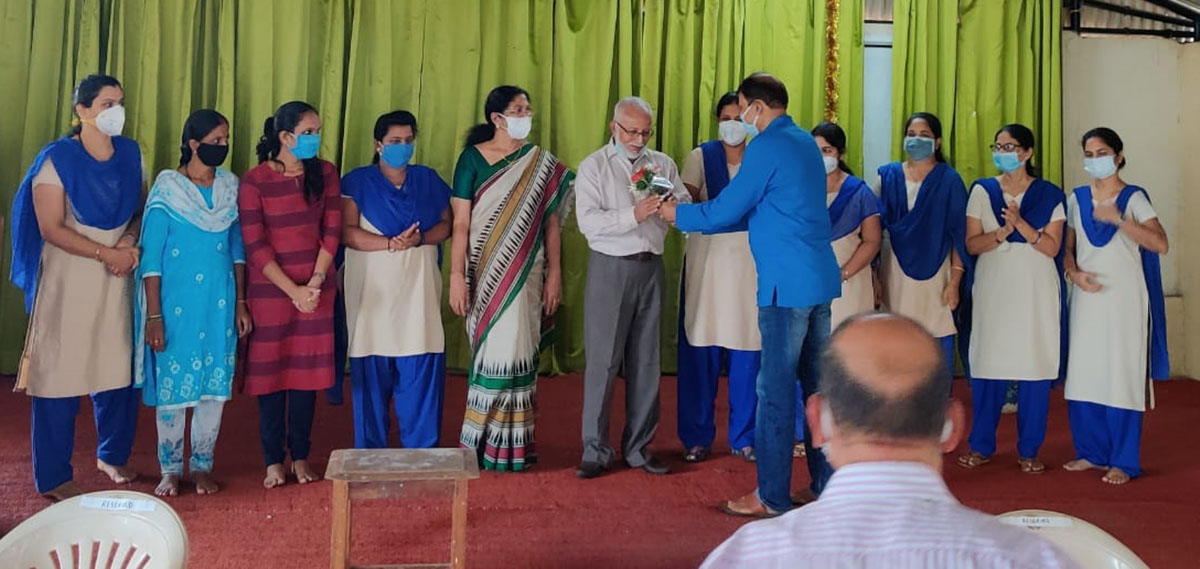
[[1014, 230], [74, 232], [395, 216], [509, 201], [190, 308], [1118, 333], [857, 234], [924, 219], [718, 312]]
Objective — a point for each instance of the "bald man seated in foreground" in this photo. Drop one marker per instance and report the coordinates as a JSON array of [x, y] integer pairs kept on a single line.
[[882, 418]]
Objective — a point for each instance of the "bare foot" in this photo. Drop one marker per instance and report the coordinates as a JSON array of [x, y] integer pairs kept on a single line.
[[68, 489], [169, 486], [1116, 476], [1080, 464], [118, 474], [276, 476], [204, 483], [304, 473]]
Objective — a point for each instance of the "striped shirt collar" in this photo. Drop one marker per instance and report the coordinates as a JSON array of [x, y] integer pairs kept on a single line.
[[868, 481]]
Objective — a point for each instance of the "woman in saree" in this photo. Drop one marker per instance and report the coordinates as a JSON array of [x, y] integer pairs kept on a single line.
[[509, 199]]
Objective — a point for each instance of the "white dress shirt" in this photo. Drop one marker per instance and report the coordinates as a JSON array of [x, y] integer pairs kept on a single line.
[[604, 204], [886, 514]]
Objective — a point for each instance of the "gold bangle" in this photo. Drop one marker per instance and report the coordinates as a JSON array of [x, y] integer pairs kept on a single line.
[[957, 268], [97, 255]]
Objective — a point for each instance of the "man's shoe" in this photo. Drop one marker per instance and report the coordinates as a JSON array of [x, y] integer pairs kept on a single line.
[[654, 466], [589, 470]]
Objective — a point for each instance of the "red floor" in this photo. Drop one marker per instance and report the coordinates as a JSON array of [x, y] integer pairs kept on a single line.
[[549, 518]]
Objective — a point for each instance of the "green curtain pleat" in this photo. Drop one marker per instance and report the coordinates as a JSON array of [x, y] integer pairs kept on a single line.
[[48, 47], [979, 65], [924, 59], [356, 59]]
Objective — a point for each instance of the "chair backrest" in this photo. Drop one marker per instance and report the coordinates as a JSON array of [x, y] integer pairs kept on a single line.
[[106, 530], [1086, 544]]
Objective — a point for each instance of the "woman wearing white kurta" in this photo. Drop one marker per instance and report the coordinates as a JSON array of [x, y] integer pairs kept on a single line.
[[924, 218], [395, 216], [854, 215], [719, 319], [1014, 227], [1117, 322]]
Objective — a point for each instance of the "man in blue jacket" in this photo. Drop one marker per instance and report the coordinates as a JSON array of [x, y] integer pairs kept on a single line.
[[780, 192]]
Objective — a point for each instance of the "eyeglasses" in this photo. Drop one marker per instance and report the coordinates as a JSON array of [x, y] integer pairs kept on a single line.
[[635, 133], [1006, 147]]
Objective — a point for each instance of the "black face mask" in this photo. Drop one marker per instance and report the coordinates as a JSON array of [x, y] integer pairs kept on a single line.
[[212, 155]]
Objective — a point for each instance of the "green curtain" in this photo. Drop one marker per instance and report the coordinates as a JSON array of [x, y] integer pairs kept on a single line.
[[356, 59], [978, 65]]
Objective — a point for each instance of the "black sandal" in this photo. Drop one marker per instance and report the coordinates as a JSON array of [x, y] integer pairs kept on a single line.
[[697, 454]]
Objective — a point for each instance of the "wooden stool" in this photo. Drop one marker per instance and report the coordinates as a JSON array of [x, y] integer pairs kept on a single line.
[[390, 473]]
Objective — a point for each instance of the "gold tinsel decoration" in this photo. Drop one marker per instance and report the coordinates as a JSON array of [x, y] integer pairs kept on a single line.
[[832, 7]]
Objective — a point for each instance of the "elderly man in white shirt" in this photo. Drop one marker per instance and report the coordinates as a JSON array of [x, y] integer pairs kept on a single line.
[[881, 414], [618, 191]]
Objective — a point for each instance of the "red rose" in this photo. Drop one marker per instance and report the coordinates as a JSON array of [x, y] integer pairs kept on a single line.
[[637, 176]]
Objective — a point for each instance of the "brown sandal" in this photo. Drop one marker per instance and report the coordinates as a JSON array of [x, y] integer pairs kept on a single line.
[[1031, 465], [972, 460]]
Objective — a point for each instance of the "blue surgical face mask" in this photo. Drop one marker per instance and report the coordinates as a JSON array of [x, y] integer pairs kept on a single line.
[[1006, 162], [397, 155], [751, 128], [306, 146], [1100, 167], [918, 147], [625, 152]]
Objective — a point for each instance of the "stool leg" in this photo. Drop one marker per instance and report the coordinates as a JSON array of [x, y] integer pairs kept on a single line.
[[339, 550], [458, 532]]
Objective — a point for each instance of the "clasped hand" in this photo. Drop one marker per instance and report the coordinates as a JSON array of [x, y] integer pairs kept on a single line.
[[410, 238]]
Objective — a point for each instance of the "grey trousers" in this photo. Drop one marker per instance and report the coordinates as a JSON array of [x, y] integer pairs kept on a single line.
[[622, 308]]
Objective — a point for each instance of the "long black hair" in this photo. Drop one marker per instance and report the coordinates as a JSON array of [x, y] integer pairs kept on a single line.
[[386, 121], [935, 125], [1024, 137], [86, 92], [1110, 137], [497, 101], [198, 125], [836, 137], [285, 119]]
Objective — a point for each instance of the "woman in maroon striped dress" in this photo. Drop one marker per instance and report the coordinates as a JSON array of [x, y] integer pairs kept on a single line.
[[290, 207]]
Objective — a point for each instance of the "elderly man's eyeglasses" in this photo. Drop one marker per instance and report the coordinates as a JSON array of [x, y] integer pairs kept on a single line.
[[642, 133]]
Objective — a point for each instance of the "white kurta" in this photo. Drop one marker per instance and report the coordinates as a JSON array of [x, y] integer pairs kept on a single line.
[[393, 301], [721, 280], [1015, 334], [1109, 330], [858, 295], [919, 300]]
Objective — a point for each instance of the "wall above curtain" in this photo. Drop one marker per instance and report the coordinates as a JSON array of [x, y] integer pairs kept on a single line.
[[356, 59]]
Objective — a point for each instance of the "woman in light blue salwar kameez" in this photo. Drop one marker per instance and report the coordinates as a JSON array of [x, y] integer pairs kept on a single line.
[[190, 310]]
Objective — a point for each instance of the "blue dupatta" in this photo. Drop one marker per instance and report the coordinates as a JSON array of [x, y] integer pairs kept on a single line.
[[422, 198], [103, 195], [923, 237], [1099, 234], [716, 177], [854, 203], [1037, 207]]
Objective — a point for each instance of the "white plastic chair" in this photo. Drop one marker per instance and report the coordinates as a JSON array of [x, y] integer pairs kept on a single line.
[[105, 530], [1086, 544]]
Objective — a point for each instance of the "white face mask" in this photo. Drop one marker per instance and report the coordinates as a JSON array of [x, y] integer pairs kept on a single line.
[[732, 132], [831, 164], [518, 127], [111, 121]]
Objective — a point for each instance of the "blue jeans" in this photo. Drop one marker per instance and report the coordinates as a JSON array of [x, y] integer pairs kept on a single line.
[[792, 341]]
